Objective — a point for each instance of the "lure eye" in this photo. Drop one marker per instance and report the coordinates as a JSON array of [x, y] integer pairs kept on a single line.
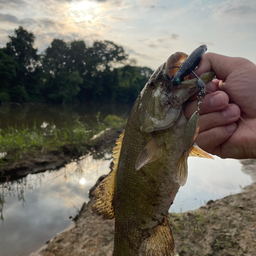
[[176, 82], [151, 84]]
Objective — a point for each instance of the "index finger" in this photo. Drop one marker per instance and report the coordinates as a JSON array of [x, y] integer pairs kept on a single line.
[[222, 65]]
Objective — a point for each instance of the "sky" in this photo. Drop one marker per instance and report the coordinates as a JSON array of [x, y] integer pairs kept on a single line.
[[149, 30]]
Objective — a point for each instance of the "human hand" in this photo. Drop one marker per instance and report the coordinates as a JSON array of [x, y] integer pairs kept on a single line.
[[228, 113]]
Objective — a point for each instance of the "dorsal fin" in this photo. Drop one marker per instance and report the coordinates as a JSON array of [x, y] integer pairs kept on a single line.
[[104, 193], [116, 151]]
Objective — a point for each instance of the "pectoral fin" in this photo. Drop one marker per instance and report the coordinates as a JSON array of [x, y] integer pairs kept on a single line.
[[182, 169], [150, 153]]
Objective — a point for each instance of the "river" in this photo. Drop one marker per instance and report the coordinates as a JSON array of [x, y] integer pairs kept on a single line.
[[38, 206]]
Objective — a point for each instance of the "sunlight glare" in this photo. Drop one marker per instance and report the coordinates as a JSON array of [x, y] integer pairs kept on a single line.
[[82, 181], [83, 6], [84, 11]]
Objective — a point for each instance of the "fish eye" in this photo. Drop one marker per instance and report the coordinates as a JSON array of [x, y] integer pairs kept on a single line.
[[151, 84]]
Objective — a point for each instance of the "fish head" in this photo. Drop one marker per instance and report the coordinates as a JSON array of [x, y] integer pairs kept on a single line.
[[161, 103]]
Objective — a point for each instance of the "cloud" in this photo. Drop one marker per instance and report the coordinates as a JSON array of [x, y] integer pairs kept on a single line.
[[99, 1], [131, 51], [46, 23], [161, 42], [8, 18], [27, 22], [116, 2], [174, 36], [4, 36], [152, 45], [11, 3], [116, 18], [237, 10], [152, 28], [207, 43]]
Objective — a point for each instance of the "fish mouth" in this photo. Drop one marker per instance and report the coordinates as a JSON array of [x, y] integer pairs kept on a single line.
[[179, 96], [167, 100], [185, 90]]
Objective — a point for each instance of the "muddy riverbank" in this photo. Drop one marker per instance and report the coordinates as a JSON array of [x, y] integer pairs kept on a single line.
[[222, 227]]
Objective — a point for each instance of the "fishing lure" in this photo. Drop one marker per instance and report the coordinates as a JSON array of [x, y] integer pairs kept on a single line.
[[189, 65]]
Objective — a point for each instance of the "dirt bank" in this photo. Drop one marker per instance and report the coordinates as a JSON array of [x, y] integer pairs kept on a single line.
[[222, 227]]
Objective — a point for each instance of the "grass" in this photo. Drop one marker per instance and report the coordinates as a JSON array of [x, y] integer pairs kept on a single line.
[[17, 143]]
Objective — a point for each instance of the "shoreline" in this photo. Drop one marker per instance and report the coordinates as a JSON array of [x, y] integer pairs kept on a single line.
[[43, 160], [222, 227]]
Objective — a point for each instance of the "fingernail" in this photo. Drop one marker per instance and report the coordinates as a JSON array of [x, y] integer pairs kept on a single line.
[[230, 112], [216, 100], [231, 127]]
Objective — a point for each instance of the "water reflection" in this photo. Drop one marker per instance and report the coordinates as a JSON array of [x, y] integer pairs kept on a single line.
[[210, 180], [29, 114], [38, 206], [249, 167]]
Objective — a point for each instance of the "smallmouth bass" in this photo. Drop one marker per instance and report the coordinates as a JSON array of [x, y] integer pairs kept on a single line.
[[150, 164]]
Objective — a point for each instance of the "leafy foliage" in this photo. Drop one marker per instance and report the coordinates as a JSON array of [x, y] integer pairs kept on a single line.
[[67, 72]]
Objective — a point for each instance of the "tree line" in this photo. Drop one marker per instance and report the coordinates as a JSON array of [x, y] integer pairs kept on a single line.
[[67, 72]]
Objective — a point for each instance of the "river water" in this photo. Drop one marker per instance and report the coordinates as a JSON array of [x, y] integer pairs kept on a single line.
[[39, 206]]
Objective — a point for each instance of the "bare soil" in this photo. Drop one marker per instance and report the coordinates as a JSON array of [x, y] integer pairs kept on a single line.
[[222, 227]]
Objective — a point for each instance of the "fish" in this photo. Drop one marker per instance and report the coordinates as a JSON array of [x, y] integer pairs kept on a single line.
[[150, 164]]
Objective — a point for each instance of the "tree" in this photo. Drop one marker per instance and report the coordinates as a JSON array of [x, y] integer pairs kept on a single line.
[[131, 81], [103, 55], [66, 87], [100, 79], [61, 65], [7, 74], [67, 72], [55, 57], [20, 47], [77, 57], [25, 86]]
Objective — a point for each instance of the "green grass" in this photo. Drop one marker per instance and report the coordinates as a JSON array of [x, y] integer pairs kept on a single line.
[[19, 142], [114, 121]]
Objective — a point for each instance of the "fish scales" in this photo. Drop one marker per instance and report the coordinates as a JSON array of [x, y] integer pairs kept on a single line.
[[152, 165], [150, 191]]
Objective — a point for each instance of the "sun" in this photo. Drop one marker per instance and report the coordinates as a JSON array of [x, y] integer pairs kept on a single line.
[[83, 11], [82, 181]]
